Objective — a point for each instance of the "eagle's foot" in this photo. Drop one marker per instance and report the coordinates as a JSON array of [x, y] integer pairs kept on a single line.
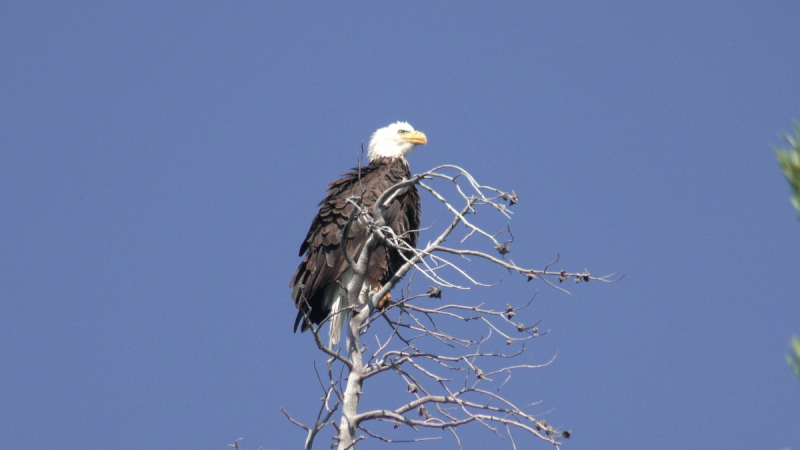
[[385, 302]]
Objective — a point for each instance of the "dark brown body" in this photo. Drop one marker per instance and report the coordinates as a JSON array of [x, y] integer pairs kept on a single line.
[[324, 263]]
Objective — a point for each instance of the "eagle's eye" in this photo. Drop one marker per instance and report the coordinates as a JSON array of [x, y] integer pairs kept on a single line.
[[402, 131]]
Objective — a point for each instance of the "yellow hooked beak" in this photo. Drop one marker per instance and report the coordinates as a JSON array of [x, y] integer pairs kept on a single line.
[[417, 138]]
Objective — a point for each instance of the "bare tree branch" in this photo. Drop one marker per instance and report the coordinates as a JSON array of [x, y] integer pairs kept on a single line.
[[443, 365]]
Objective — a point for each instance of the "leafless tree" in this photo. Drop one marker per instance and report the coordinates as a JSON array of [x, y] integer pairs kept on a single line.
[[452, 380]]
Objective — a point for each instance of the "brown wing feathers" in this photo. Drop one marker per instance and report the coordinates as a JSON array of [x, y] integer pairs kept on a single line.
[[323, 263]]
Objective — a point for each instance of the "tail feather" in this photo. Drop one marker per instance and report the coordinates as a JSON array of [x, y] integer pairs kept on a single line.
[[336, 302], [337, 321]]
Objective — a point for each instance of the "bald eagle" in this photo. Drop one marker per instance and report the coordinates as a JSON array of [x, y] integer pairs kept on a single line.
[[319, 285]]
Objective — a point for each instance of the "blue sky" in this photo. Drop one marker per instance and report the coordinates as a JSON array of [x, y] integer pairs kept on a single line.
[[160, 165]]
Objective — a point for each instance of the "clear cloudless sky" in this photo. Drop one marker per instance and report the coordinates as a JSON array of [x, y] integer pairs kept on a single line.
[[160, 163]]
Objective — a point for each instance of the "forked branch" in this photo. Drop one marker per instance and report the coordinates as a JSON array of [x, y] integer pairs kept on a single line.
[[436, 353]]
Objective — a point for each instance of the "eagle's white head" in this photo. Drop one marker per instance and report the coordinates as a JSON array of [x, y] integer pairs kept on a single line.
[[395, 141]]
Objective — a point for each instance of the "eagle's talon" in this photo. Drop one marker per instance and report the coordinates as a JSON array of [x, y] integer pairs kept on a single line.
[[385, 302]]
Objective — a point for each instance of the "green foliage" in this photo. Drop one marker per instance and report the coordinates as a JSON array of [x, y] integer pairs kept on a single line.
[[794, 358], [789, 159]]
